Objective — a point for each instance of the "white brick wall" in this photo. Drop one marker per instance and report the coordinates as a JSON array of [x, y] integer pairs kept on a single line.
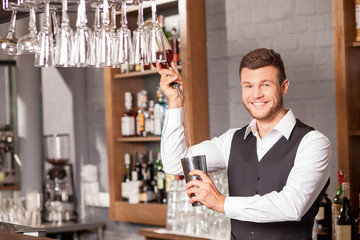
[[301, 31]]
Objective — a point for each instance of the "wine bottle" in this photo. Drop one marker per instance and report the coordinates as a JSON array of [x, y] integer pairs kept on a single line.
[[127, 178], [162, 25], [160, 180], [149, 119], [136, 174], [159, 112], [140, 117], [323, 219], [128, 118], [146, 193], [357, 223], [337, 200], [345, 222]]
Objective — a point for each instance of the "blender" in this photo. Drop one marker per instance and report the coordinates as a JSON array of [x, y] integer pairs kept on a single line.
[[59, 193]]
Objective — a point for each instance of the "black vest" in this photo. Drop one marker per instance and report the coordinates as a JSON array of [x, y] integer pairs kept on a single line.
[[248, 177]]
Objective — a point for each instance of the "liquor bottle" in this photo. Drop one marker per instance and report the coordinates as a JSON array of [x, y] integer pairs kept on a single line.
[[160, 193], [125, 192], [174, 43], [146, 193], [141, 114], [149, 119], [337, 201], [128, 118], [150, 170], [345, 228], [136, 174], [357, 223], [159, 112], [323, 219], [162, 25]]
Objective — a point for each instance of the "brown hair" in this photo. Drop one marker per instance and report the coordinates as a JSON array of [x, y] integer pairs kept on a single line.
[[262, 57]]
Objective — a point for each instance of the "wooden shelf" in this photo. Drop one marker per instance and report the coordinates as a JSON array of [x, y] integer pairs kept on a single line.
[[347, 89], [146, 213], [149, 72], [355, 133], [138, 139], [153, 234], [193, 51], [355, 44], [8, 188]]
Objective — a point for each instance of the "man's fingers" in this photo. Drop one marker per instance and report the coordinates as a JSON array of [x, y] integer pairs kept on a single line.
[[203, 176]]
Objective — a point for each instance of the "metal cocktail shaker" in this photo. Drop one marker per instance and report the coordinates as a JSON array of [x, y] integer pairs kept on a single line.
[[191, 163]]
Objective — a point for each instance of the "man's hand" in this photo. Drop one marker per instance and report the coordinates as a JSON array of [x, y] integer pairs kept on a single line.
[[205, 191], [167, 77]]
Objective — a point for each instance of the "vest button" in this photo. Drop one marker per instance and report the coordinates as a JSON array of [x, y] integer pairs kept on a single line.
[[256, 191], [258, 178], [252, 233]]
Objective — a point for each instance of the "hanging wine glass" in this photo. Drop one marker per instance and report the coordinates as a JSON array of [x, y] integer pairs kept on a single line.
[[160, 48], [124, 46], [94, 48], [44, 55], [105, 37], [141, 40], [64, 40], [9, 43], [28, 43], [113, 37], [81, 38]]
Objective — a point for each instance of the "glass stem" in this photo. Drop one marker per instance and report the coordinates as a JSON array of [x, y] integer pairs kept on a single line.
[[123, 14], [55, 23], [46, 21], [113, 18], [153, 10], [106, 20], [140, 20], [83, 17], [11, 28], [32, 21], [65, 17], [97, 24]]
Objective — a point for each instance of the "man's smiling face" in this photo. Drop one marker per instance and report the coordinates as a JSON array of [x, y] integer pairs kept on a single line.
[[262, 94]]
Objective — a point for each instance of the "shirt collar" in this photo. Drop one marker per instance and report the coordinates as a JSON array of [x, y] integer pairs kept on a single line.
[[284, 126]]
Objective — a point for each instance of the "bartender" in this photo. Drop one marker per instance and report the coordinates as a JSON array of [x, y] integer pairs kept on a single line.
[[278, 167]]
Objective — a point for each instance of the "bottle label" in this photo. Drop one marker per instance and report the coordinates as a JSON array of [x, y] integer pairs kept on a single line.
[[343, 232], [125, 190], [321, 214], [127, 126], [140, 124]]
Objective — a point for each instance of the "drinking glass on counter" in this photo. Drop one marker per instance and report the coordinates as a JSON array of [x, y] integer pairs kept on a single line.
[[199, 221]]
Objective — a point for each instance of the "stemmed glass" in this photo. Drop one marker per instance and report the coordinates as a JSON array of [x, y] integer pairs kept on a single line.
[[160, 48], [141, 40], [28, 43], [124, 46], [94, 48], [81, 38], [9, 43], [105, 37], [64, 40], [44, 55], [113, 37]]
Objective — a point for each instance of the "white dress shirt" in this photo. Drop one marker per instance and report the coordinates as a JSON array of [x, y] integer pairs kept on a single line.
[[306, 179]]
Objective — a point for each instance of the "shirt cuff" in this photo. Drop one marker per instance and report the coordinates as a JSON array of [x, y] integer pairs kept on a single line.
[[174, 117], [236, 207]]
